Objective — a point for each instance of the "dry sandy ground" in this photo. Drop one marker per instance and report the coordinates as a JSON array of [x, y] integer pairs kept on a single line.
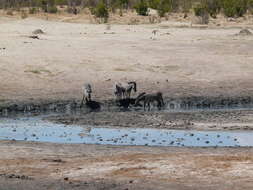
[[179, 61], [51, 166]]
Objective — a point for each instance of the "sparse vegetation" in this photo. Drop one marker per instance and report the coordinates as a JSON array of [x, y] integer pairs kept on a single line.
[[101, 11], [101, 8], [164, 7], [142, 8], [33, 10], [234, 8], [52, 9]]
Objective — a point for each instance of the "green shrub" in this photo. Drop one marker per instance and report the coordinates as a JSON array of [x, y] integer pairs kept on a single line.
[[234, 8], [154, 4], [52, 9], [213, 7], [199, 10], [250, 6], [32, 10], [142, 8], [164, 7], [92, 10], [101, 11], [43, 5]]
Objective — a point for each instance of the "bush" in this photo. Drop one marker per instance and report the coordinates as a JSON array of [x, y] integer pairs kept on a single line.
[[101, 11], [92, 10], [52, 9], [43, 5], [199, 10], [234, 8], [213, 7], [32, 10], [164, 7], [142, 8], [154, 4], [250, 6]]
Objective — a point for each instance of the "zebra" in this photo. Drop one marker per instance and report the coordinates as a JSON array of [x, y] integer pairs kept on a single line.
[[86, 93], [154, 32], [123, 90], [148, 98]]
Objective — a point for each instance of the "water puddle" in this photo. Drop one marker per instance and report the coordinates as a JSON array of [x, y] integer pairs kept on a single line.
[[35, 129]]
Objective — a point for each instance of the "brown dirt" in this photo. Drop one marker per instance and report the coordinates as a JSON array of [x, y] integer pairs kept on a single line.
[[112, 167]]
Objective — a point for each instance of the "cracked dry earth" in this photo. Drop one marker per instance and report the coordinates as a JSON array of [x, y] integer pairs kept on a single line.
[[26, 165]]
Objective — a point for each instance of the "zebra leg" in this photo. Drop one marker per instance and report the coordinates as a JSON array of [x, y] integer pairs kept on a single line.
[[82, 102], [163, 104], [148, 106], [89, 97], [159, 105]]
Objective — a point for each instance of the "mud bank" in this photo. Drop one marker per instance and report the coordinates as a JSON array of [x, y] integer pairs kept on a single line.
[[192, 120], [171, 104]]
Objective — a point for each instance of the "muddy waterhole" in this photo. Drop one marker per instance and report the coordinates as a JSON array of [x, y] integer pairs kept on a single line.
[[37, 129]]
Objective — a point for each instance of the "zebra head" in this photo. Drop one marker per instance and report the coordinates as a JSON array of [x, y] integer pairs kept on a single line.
[[134, 85]]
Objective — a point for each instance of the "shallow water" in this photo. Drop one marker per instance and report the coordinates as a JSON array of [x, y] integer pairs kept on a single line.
[[38, 130]]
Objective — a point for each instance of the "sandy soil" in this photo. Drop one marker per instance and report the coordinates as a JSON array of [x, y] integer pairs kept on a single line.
[[178, 61], [109, 167]]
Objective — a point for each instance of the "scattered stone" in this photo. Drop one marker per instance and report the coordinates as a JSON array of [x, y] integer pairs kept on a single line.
[[245, 32], [38, 31], [109, 32], [34, 37], [12, 176]]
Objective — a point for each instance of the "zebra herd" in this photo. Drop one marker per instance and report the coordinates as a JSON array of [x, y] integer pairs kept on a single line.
[[122, 92]]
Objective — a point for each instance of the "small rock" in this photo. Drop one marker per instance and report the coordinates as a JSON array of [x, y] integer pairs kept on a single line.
[[38, 31], [34, 37]]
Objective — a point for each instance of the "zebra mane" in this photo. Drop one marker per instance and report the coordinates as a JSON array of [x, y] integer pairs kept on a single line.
[[140, 97]]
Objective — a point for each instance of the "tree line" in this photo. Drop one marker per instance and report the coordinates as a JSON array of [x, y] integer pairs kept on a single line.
[[101, 8]]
